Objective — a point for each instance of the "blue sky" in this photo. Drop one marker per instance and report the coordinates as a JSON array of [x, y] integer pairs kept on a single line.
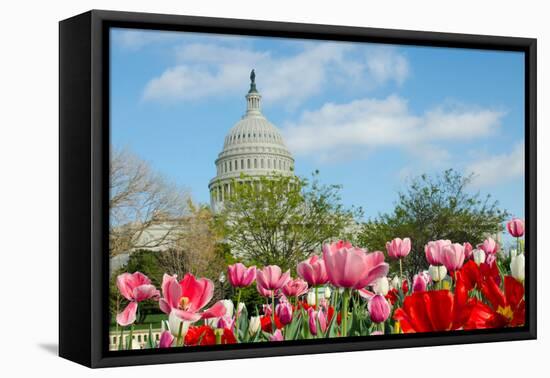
[[368, 116]]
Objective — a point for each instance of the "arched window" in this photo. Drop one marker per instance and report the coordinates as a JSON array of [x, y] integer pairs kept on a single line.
[[225, 167], [269, 163], [230, 166], [248, 163], [262, 163], [255, 163], [242, 163]]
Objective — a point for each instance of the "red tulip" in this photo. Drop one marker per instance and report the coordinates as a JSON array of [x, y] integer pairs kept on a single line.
[[313, 271], [434, 251], [271, 278], [295, 288], [266, 324], [241, 276], [136, 288], [350, 267], [379, 309], [516, 227], [166, 340], [204, 335], [440, 310], [187, 297], [398, 248], [508, 307], [453, 256]]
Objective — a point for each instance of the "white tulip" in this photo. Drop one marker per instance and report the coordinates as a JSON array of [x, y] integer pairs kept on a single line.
[[381, 286], [254, 325], [395, 283], [517, 266], [229, 307], [513, 253], [327, 292], [479, 256], [174, 325], [437, 273], [240, 307], [311, 298]]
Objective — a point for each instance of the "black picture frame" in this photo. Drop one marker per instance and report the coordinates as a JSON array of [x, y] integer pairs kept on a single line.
[[83, 197]]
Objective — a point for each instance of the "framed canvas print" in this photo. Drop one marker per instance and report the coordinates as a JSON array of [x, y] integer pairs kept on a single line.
[[234, 188]]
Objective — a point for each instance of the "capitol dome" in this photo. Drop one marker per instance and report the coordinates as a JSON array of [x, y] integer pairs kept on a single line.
[[254, 147]]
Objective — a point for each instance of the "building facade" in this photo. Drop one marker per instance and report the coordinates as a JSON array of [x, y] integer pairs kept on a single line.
[[253, 148]]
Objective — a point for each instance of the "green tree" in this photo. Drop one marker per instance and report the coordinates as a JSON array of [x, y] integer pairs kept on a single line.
[[432, 208], [281, 219]]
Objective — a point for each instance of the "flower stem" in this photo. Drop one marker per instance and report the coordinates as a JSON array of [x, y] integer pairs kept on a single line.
[[401, 270], [130, 337], [345, 302], [236, 309], [518, 246], [316, 297], [121, 339], [274, 326], [180, 331]]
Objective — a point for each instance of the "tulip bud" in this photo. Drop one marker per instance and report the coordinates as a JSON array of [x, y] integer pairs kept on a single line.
[[517, 266], [311, 298], [479, 256], [327, 292], [284, 312], [229, 307], [395, 282], [381, 286], [277, 336], [226, 322], [437, 272], [379, 309], [240, 307], [254, 325]]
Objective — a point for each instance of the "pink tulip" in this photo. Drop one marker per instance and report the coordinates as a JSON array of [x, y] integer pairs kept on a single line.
[[263, 292], [166, 340], [376, 333], [453, 257], [271, 277], [379, 309], [295, 288], [350, 267], [226, 322], [516, 227], [434, 251], [241, 276], [398, 248], [314, 317], [490, 259], [136, 288], [187, 297], [277, 336], [421, 281], [468, 251], [313, 271], [284, 312], [489, 246]]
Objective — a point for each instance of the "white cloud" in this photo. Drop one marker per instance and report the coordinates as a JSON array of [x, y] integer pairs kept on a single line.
[[498, 169], [205, 70], [371, 123]]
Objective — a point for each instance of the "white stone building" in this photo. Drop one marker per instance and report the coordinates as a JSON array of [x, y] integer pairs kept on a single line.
[[253, 147]]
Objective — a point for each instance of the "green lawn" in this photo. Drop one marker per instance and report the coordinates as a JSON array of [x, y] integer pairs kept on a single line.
[[153, 319]]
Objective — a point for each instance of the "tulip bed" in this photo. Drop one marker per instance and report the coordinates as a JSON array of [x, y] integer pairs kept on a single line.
[[344, 292]]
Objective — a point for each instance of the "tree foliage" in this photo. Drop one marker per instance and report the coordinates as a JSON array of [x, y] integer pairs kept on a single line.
[[432, 208], [281, 219]]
